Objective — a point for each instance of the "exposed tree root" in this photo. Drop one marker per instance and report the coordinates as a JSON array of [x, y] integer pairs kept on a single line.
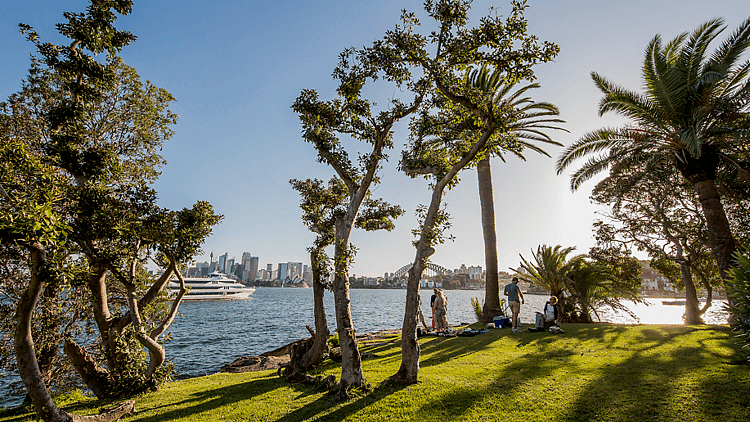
[[108, 415]]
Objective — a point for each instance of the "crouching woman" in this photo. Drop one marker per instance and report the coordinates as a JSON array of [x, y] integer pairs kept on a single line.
[[551, 311]]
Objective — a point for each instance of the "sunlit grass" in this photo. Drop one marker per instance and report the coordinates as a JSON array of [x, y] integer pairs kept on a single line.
[[598, 372]]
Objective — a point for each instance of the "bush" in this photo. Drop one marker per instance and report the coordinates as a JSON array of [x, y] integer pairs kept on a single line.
[[477, 308], [739, 296]]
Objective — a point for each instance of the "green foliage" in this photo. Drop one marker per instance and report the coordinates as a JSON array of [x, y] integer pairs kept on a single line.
[[55, 317], [603, 282], [477, 306], [549, 269], [693, 105], [584, 284], [129, 377], [79, 148], [692, 117], [739, 296], [333, 341]]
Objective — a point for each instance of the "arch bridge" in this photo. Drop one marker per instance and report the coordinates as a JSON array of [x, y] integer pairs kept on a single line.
[[430, 270]]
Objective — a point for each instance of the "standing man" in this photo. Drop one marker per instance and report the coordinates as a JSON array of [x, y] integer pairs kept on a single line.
[[514, 292]]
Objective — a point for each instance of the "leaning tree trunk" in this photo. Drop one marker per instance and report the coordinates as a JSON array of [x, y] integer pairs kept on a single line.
[[28, 367], [719, 233], [701, 173], [692, 313], [94, 376], [492, 287], [351, 360], [408, 372], [709, 293], [320, 343]]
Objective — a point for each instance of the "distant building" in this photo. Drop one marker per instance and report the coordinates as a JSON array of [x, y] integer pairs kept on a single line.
[[283, 272], [475, 273], [653, 280], [249, 267], [222, 267], [295, 270]]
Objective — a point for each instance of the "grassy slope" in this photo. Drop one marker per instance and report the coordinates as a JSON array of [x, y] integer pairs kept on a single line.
[[596, 372]]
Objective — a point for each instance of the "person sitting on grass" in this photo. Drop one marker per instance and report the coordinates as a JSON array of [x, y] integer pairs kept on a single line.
[[551, 310]]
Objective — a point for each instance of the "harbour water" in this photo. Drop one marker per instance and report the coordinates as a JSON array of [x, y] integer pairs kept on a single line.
[[209, 334]]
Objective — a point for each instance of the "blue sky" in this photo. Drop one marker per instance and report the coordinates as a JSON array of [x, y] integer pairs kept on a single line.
[[235, 68]]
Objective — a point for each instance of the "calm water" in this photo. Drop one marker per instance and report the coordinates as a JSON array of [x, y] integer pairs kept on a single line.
[[209, 334]]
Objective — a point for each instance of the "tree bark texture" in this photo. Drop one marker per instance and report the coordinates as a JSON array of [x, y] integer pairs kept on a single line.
[[28, 367], [95, 377], [408, 372], [351, 360], [692, 314], [719, 233], [315, 355], [155, 350], [492, 306], [701, 173]]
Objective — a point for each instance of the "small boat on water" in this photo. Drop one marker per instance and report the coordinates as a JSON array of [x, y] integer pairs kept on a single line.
[[215, 286]]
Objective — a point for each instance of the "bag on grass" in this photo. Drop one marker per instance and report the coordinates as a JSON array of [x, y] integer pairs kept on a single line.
[[539, 323]]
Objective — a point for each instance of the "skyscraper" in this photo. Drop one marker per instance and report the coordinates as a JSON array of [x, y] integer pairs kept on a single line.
[[247, 275], [295, 270], [229, 266], [251, 270], [223, 263], [283, 272]]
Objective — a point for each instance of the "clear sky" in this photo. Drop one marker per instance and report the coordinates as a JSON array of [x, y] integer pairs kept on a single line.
[[235, 67]]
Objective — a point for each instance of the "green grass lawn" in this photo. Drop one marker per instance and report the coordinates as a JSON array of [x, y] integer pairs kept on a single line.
[[596, 372]]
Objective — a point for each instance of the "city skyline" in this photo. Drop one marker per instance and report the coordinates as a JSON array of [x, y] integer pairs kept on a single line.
[[235, 71], [224, 263]]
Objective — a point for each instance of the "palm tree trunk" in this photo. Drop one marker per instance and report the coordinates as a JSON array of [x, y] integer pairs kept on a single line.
[[492, 287], [719, 233], [701, 173]]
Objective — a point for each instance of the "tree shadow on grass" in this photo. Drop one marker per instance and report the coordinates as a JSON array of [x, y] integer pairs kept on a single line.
[[315, 411], [202, 401], [652, 383], [648, 383], [443, 349]]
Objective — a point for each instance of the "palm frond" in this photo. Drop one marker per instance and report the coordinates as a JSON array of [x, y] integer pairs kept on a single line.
[[693, 52], [724, 57]]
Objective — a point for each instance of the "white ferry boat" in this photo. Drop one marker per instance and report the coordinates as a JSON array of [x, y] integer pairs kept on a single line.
[[216, 286]]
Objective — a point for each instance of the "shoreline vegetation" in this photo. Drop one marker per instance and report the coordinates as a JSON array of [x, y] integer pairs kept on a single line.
[[599, 372]]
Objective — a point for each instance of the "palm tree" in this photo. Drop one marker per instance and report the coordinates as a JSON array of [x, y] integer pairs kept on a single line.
[[594, 285], [523, 122], [550, 271], [693, 115]]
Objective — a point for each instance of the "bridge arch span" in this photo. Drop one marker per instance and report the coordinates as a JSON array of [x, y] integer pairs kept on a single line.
[[430, 267]]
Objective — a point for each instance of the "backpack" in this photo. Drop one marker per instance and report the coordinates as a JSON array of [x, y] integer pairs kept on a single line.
[[539, 323]]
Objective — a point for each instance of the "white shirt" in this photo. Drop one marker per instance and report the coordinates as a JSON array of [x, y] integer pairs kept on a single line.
[[550, 312]]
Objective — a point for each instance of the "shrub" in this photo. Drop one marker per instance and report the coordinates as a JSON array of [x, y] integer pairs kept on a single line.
[[739, 296], [477, 308]]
